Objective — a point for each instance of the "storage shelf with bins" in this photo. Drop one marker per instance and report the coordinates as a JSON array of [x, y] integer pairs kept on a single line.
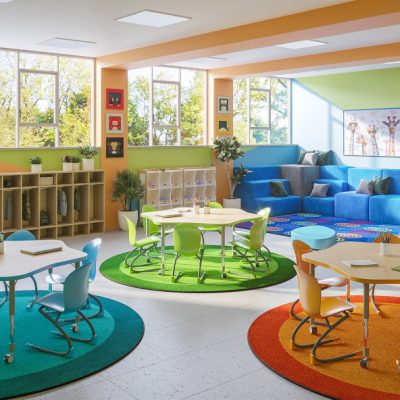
[[176, 187], [52, 204]]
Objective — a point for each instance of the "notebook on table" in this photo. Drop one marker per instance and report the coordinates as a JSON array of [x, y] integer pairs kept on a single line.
[[360, 263], [41, 249]]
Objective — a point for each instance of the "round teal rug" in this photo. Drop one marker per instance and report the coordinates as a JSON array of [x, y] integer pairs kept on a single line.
[[280, 270], [118, 331]]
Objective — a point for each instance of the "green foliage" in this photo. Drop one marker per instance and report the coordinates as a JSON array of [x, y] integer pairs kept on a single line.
[[88, 152], [36, 160], [76, 159], [127, 186], [238, 175], [66, 159]]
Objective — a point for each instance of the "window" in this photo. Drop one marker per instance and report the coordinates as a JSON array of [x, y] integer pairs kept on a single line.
[[261, 110], [166, 106], [46, 100]]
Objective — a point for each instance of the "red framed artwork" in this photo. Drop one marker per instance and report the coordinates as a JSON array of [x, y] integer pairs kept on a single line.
[[114, 122], [114, 99]]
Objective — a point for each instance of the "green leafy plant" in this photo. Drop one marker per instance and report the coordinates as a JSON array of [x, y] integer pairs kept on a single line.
[[238, 174], [228, 150], [76, 159], [88, 152], [66, 159], [127, 187], [36, 160]]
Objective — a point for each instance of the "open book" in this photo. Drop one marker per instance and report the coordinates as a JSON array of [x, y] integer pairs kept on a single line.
[[360, 263]]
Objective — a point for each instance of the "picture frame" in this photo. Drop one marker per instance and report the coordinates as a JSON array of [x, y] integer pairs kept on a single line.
[[114, 122], [114, 147], [114, 99], [223, 105], [223, 126]]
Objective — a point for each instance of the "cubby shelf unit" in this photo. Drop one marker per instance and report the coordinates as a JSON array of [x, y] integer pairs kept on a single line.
[[177, 187], [24, 196]]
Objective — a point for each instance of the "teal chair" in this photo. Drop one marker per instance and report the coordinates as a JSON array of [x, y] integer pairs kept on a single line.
[[250, 249], [210, 228], [71, 300], [187, 243], [142, 247]]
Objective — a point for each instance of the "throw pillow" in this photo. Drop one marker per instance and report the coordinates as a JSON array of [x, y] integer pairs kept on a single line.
[[278, 189], [381, 185], [302, 155], [310, 159], [365, 187], [319, 190], [324, 158]]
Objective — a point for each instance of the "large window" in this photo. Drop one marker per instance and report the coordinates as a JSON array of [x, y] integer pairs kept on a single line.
[[166, 106], [261, 110], [45, 100]]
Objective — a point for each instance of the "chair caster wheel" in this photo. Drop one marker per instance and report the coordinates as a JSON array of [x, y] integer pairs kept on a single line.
[[8, 358], [148, 260], [75, 328], [364, 362], [313, 330]]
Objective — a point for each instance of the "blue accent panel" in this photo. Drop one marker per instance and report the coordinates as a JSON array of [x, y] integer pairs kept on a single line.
[[269, 155], [279, 205], [259, 188], [352, 205], [395, 182], [262, 172], [339, 172], [319, 205], [384, 209], [317, 237], [335, 186], [356, 174]]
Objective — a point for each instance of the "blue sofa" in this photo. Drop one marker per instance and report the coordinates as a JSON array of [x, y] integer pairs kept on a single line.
[[256, 194]]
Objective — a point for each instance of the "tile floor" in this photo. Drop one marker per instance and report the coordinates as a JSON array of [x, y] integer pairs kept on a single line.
[[195, 345]]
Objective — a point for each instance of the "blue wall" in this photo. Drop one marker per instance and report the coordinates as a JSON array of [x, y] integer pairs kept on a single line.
[[269, 155]]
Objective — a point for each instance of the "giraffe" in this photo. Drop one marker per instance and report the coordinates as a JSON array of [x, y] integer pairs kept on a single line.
[[372, 132], [352, 126], [363, 142], [391, 123]]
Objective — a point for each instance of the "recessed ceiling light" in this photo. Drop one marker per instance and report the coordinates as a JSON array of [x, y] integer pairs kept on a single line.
[[5, 1], [302, 44], [392, 62], [153, 19], [67, 43]]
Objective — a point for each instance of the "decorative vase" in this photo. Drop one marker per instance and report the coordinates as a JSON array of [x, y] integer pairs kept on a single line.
[[232, 203], [88, 164], [123, 224], [76, 166], [36, 168], [67, 167]]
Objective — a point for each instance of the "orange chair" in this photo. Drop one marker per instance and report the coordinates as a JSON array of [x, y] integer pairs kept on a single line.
[[394, 240], [301, 248], [319, 307]]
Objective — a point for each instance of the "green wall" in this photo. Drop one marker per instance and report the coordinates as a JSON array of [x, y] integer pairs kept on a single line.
[[357, 90]]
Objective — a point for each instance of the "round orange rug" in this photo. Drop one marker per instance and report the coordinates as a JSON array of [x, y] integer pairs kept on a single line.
[[269, 337]]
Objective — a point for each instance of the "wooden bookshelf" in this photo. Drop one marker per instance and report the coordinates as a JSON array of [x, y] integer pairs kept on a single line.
[[43, 190]]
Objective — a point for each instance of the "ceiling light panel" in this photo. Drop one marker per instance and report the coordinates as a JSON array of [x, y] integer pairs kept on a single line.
[[302, 44], [67, 43], [5, 1], [154, 19]]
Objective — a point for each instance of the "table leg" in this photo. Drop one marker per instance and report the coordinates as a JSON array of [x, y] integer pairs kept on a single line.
[[365, 358], [313, 327], [223, 274], [9, 358], [161, 272]]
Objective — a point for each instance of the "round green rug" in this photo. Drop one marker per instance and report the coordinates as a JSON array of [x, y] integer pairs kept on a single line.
[[118, 331], [281, 269]]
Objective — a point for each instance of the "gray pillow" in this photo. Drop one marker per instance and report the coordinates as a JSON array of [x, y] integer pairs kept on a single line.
[[310, 158], [278, 189], [302, 154], [319, 190], [365, 187]]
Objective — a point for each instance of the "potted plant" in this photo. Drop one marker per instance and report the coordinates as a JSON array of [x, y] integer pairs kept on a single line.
[[76, 163], [88, 153], [36, 164], [67, 163], [128, 189], [227, 150]]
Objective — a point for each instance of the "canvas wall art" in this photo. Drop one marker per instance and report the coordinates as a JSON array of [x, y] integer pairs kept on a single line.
[[372, 133], [114, 123]]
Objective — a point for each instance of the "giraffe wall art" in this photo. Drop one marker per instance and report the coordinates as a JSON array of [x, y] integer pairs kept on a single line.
[[372, 133]]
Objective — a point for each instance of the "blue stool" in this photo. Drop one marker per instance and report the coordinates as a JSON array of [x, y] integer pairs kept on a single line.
[[316, 236]]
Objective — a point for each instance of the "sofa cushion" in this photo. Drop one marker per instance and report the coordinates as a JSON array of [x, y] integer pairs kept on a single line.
[[334, 172], [352, 205], [394, 187], [335, 185], [262, 172], [366, 187], [301, 178], [324, 158], [278, 205], [310, 159], [303, 154], [384, 209], [278, 189], [319, 205], [319, 190], [258, 188], [382, 185], [356, 174]]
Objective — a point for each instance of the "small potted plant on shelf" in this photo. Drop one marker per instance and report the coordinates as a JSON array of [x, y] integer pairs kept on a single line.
[[36, 164], [227, 150], [67, 163], [128, 189], [76, 163], [88, 153]]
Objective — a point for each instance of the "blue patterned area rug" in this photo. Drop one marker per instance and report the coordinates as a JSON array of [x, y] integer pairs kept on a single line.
[[346, 229]]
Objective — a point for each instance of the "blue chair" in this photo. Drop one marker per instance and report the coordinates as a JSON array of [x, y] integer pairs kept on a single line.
[[92, 249], [19, 236], [71, 300]]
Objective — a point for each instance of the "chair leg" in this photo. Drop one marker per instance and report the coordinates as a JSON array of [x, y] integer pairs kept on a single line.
[[36, 295], [200, 276], [131, 264], [376, 308], [5, 294], [173, 277], [291, 312], [243, 255]]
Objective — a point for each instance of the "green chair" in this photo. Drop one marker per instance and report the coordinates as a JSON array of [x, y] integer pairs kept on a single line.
[[187, 243], [210, 228], [250, 249], [142, 246]]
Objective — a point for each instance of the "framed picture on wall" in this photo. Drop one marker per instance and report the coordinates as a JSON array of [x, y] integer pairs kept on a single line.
[[223, 126], [114, 147], [114, 123], [223, 105], [114, 99], [372, 133]]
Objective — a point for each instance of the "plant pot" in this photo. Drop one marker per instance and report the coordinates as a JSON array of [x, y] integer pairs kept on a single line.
[[36, 168], [67, 167], [123, 224], [88, 164], [76, 166], [232, 203]]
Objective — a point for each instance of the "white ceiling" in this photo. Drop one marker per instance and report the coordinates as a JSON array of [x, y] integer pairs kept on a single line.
[[25, 23]]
